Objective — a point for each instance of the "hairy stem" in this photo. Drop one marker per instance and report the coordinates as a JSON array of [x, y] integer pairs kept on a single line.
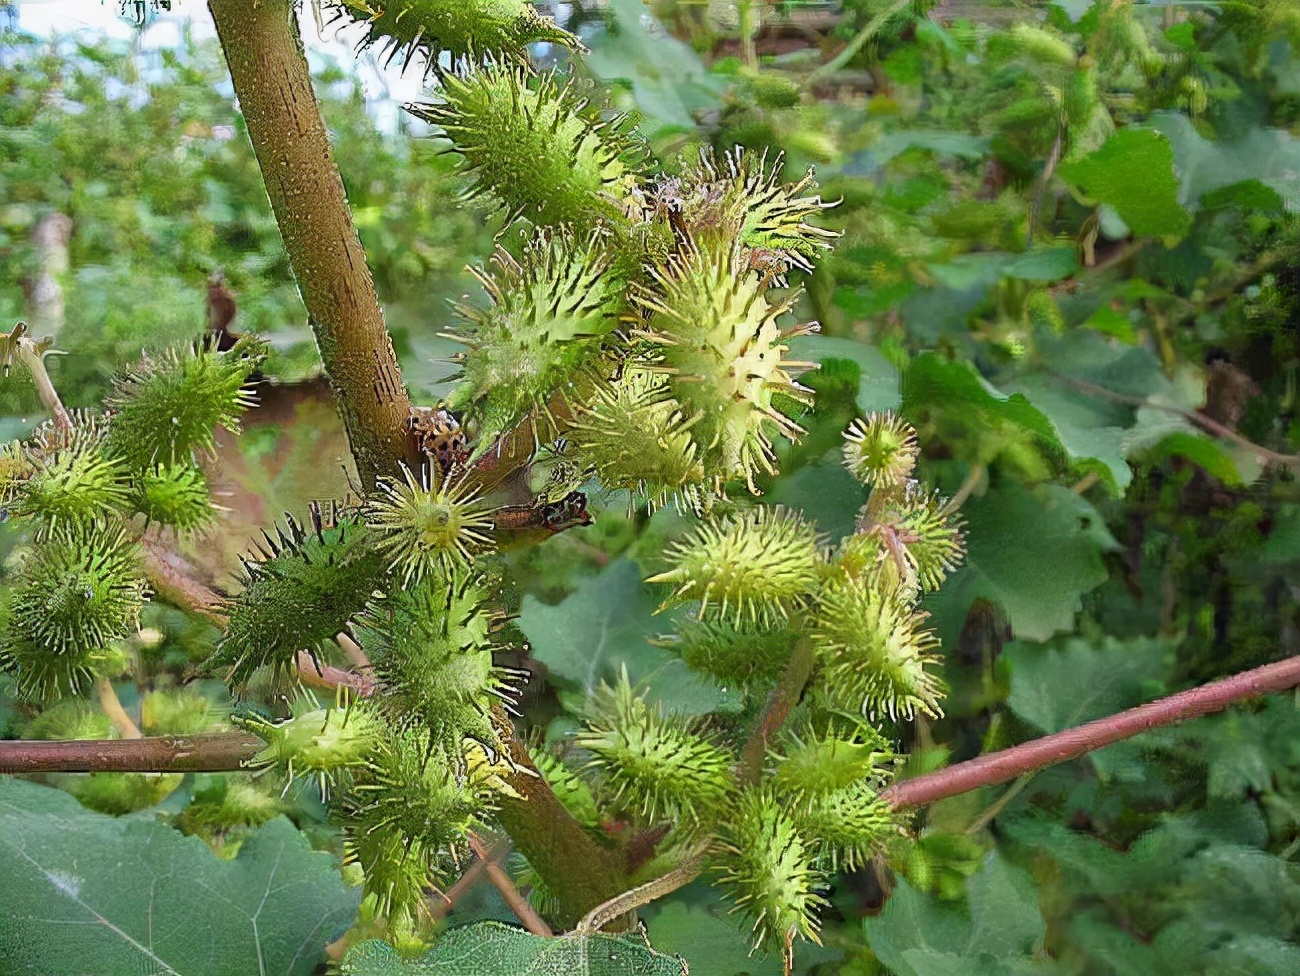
[[269, 70], [581, 873], [785, 696], [628, 901]]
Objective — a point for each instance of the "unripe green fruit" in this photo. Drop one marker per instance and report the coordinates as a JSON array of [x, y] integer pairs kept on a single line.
[[461, 28], [170, 407], [175, 496], [538, 145], [309, 587], [752, 567], [71, 599]]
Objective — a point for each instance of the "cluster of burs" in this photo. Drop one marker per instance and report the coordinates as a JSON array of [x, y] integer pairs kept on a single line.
[[636, 327]]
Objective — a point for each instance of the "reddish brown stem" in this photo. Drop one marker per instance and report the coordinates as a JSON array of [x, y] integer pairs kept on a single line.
[[1000, 767], [211, 753], [525, 912], [227, 750]]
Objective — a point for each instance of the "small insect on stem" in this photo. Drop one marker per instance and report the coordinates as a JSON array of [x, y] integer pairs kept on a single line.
[[569, 512]]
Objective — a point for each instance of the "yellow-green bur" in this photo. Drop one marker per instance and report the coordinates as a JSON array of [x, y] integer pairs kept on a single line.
[[494, 949]]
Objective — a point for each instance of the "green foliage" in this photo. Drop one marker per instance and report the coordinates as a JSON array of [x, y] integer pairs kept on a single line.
[[133, 892], [493, 949], [1065, 256]]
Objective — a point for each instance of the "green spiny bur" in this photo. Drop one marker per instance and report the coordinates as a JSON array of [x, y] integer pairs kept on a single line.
[[71, 599], [537, 145], [170, 406], [430, 651], [461, 28], [308, 587]]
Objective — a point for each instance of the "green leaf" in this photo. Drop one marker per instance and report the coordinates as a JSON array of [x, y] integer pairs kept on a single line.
[[1034, 553], [1046, 264], [879, 388], [712, 944], [494, 949], [668, 80], [1103, 677], [83, 892], [1270, 156], [960, 396], [1134, 173], [601, 627], [917, 935], [1090, 429]]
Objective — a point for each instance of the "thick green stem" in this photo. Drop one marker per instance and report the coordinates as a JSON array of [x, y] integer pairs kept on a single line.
[[269, 69], [785, 696], [580, 873]]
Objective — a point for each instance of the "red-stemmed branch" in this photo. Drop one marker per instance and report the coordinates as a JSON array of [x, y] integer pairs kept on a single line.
[[227, 751]]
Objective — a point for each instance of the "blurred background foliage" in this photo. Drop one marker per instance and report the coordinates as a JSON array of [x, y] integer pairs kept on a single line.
[[1070, 256]]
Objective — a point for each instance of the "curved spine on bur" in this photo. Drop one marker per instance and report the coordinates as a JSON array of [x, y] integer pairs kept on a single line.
[[655, 765], [740, 198], [874, 652], [633, 433], [769, 869]]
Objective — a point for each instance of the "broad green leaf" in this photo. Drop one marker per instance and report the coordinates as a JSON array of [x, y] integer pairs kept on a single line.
[[494, 949], [971, 411], [1034, 553], [1134, 173], [711, 943], [1270, 156], [1090, 429], [825, 492], [941, 142], [602, 627], [83, 892], [669, 82], [917, 935], [878, 386], [1104, 677]]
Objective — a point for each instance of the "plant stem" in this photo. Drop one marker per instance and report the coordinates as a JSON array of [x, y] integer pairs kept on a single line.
[[780, 703], [19, 345], [112, 706], [210, 753], [580, 872], [851, 49], [525, 912], [629, 901], [273, 83], [1007, 764], [226, 750]]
